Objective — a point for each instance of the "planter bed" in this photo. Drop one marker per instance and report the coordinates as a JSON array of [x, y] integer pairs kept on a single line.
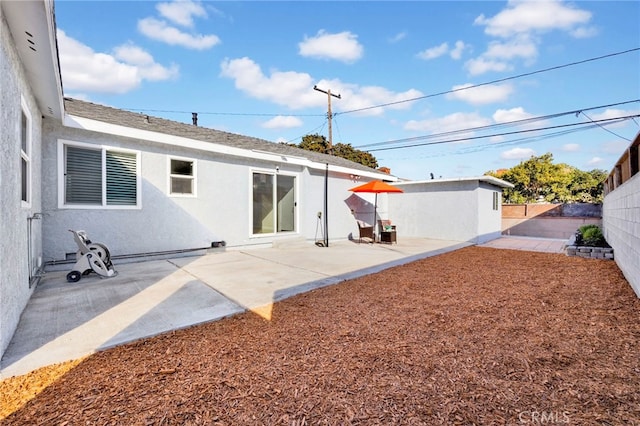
[[592, 252]]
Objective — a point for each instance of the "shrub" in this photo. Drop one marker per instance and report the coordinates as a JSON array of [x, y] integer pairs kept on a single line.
[[584, 228], [590, 235]]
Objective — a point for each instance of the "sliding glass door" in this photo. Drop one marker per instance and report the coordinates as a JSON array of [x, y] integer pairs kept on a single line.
[[274, 203]]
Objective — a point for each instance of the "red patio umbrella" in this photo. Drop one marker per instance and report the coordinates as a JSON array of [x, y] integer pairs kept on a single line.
[[376, 187]]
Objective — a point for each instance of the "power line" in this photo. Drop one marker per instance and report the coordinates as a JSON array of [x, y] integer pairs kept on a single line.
[[519, 141], [497, 125], [500, 80], [390, 103], [604, 128], [606, 120], [321, 126]]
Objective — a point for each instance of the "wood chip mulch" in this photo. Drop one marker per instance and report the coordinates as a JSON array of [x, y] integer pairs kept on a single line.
[[478, 336]]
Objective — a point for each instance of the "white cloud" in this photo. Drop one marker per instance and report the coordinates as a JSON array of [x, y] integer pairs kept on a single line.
[[396, 38], [161, 31], [443, 49], [282, 122], [482, 65], [482, 94], [120, 72], [499, 53], [148, 68], [434, 52], [571, 147], [521, 47], [520, 27], [517, 154], [509, 115], [534, 16], [451, 122], [357, 97], [595, 161], [295, 90], [342, 46], [584, 32], [292, 89], [181, 12], [456, 52]]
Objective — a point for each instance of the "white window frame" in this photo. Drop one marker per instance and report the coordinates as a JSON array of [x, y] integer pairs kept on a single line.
[[275, 174], [25, 155], [62, 143], [194, 177], [496, 200]]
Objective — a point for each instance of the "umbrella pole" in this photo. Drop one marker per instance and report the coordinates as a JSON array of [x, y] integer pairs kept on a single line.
[[375, 222]]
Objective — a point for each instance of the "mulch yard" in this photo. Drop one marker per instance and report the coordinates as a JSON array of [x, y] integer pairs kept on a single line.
[[476, 336]]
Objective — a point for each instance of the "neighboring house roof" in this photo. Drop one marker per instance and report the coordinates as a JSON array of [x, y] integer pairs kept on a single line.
[[488, 179], [132, 120]]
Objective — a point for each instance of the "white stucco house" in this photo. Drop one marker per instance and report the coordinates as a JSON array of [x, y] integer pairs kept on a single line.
[[139, 184], [31, 90], [143, 185]]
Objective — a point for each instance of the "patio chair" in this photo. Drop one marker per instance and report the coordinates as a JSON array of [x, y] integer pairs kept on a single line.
[[366, 231], [387, 232]]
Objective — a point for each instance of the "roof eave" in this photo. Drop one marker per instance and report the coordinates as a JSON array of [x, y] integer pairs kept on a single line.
[[33, 28], [151, 136], [488, 179]]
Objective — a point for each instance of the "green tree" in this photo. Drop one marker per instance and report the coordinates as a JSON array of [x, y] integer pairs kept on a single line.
[[319, 143], [539, 179]]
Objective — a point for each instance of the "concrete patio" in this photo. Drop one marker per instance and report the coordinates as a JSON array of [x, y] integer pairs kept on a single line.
[[65, 321]]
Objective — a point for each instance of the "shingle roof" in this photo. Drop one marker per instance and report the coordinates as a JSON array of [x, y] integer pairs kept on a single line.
[[134, 120]]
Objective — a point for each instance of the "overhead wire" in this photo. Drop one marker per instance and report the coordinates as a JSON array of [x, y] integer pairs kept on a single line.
[[518, 141], [500, 80], [604, 128], [606, 120], [495, 125], [396, 102], [321, 126]]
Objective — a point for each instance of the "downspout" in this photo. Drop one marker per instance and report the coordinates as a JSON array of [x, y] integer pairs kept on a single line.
[[34, 279], [326, 205]]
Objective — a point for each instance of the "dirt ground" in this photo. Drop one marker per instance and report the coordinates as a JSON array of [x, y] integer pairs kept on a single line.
[[476, 336]]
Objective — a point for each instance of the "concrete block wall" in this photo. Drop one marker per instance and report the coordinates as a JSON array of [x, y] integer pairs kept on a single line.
[[621, 226]]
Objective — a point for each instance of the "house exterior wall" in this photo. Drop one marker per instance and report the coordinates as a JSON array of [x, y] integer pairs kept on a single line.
[[15, 288], [450, 210], [221, 210], [489, 213], [440, 210], [621, 225]]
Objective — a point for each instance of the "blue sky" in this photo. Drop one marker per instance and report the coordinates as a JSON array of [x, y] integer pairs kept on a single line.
[[403, 71]]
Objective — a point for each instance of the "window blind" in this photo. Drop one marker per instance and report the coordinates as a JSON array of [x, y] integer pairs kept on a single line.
[[83, 178], [121, 178]]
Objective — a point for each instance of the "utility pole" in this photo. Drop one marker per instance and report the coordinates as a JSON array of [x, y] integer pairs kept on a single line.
[[329, 114], [326, 171]]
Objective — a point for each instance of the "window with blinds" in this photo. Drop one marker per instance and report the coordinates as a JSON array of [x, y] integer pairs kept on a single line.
[[100, 177]]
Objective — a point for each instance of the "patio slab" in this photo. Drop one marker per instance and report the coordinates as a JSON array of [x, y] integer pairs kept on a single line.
[[547, 245], [65, 321]]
